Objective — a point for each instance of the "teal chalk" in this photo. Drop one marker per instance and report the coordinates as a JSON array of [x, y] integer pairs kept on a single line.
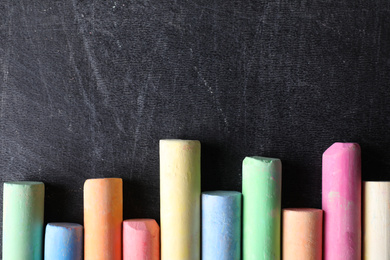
[[23, 207]]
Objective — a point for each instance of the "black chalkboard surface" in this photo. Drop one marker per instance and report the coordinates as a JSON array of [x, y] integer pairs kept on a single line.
[[88, 89]]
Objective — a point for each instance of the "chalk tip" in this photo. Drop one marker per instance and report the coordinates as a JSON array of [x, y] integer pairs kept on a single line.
[[338, 148], [367, 185], [178, 142], [66, 225], [302, 210], [260, 160], [101, 180], [222, 193], [24, 183], [142, 224], [59, 230], [377, 182]]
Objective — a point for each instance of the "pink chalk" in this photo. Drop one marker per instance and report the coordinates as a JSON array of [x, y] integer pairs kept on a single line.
[[141, 239], [341, 201]]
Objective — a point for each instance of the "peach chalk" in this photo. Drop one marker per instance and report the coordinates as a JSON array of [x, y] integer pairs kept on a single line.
[[141, 239], [302, 234], [103, 215], [341, 201], [376, 220]]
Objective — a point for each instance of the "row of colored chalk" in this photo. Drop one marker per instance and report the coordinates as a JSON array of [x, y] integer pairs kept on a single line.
[[222, 214], [141, 240], [303, 235], [23, 212]]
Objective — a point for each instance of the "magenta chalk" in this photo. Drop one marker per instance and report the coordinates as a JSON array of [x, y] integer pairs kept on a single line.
[[341, 201]]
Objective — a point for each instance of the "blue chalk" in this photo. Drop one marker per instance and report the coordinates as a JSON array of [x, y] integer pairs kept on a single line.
[[64, 241], [221, 225]]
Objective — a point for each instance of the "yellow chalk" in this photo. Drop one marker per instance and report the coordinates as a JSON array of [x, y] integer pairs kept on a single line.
[[180, 199]]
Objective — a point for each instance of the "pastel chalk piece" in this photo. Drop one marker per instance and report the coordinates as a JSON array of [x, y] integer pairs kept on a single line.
[[221, 225], [64, 241], [180, 199], [341, 201], [261, 190], [103, 216], [376, 220], [23, 210], [141, 239], [302, 234]]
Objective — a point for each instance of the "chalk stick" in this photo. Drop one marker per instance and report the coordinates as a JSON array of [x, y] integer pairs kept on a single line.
[[302, 234], [221, 225], [341, 201], [376, 220], [63, 241], [180, 199], [141, 239], [261, 190], [103, 215], [23, 207]]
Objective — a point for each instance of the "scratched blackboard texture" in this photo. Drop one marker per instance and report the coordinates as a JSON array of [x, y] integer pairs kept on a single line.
[[89, 87]]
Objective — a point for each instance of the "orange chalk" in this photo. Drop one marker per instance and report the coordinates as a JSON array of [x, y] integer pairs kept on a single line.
[[302, 234], [103, 215], [141, 239]]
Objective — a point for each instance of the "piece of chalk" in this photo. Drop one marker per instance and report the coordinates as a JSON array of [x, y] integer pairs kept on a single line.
[[23, 207], [221, 225], [64, 241], [302, 234], [141, 239], [180, 199], [103, 215], [376, 220], [341, 201], [261, 190]]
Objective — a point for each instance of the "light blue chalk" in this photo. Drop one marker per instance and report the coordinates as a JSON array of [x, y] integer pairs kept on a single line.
[[221, 225], [64, 241]]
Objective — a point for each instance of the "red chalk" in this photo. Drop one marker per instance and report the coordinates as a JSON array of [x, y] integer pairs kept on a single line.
[[141, 239]]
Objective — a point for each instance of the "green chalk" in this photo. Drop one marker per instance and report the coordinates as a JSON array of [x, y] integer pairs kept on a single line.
[[261, 189], [23, 206]]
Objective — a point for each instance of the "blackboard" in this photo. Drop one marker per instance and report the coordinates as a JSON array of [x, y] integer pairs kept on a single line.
[[89, 87]]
